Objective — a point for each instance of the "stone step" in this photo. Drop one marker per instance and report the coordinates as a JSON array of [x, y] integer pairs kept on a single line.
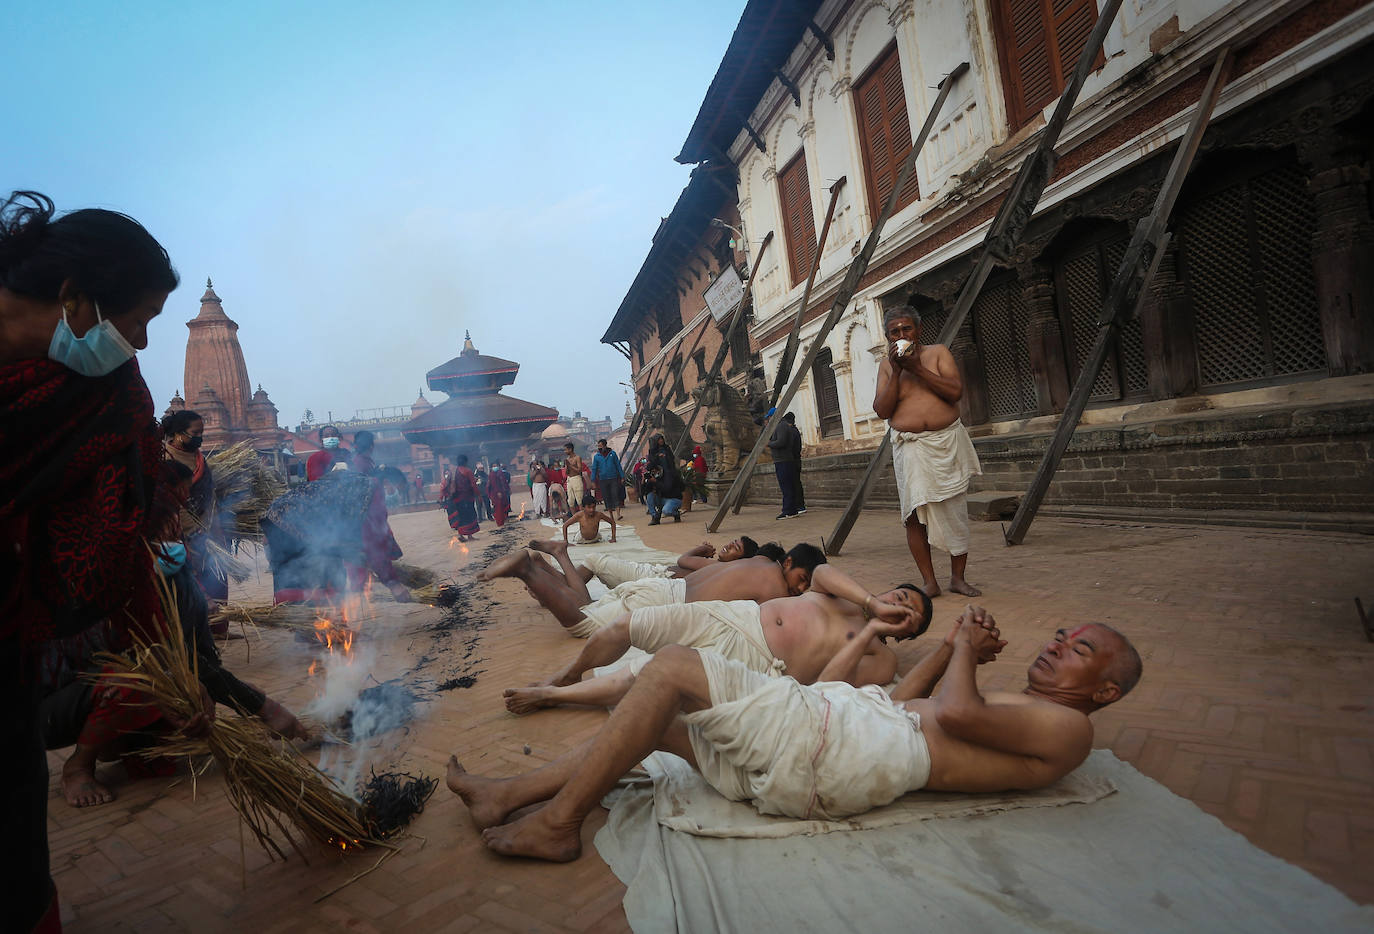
[[993, 505]]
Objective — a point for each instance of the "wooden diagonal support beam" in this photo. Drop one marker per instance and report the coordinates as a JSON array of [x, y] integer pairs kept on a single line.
[[1138, 266], [847, 289], [736, 321]]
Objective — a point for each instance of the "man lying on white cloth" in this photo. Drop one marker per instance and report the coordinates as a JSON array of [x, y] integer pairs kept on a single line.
[[826, 634], [829, 750], [613, 571], [564, 593]]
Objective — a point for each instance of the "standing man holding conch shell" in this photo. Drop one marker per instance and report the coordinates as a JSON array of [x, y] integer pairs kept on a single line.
[[918, 393]]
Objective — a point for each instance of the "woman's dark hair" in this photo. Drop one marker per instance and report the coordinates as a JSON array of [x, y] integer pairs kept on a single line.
[[175, 423], [324, 428], [110, 258], [363, 441]]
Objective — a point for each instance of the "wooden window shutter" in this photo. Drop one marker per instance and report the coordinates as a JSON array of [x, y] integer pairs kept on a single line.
[[1039, 42], [798, 223], [885, 131], [827, 395]]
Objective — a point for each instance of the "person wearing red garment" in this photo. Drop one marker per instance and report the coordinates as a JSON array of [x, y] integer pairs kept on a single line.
[[79, 454], [498, 488], [321, 462], [459, 497]]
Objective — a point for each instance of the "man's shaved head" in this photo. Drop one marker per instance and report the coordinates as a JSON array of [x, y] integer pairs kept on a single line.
[[1125, 668]]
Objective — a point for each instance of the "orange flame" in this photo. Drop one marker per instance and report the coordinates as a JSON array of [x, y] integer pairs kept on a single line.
[[463, 549], [453, 541]]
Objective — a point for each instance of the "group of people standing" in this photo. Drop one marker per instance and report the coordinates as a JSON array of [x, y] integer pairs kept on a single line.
[[471, 495]]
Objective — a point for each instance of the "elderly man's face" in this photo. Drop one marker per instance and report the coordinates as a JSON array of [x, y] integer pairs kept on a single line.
[[1073, 662], [903, 329]]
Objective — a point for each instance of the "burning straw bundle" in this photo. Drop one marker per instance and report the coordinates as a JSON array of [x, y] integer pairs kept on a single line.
[[244, 486], [283, 615], [270, 784]]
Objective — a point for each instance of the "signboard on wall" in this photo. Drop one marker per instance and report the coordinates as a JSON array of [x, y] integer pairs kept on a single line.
[[725, 293]]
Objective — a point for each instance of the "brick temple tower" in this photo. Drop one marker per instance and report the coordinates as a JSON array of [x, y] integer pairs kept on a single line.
[[215, 359], [217, 383]]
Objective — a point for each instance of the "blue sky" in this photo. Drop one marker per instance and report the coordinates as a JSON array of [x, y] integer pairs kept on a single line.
[[365, 181]]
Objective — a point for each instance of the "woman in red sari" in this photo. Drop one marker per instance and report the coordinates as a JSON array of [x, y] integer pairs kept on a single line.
[[498, 489], [459, 497], [79, 455]]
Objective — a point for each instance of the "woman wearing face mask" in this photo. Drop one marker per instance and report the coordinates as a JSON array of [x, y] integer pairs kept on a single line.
[[182, 434], [334, 453], [78, 464]]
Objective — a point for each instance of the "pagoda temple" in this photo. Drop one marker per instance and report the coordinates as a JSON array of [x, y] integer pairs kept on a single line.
[[217, 386], [477, 419]]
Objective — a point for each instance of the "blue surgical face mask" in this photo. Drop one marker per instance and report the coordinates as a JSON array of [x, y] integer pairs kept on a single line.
[[330, 442], [171, 557], [99, 351]]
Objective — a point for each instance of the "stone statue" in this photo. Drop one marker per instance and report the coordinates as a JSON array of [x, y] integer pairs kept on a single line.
[[730, 432]]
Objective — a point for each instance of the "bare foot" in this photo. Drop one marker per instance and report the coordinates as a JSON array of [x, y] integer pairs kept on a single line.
[[561, 680], [931, 590], [505, 566], [527, 700], [959, 585], [81, 789], [536, 836], [481, 795], [549, 546]]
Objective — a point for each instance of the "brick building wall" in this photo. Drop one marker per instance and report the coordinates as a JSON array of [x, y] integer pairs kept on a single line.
[[1308, 459]]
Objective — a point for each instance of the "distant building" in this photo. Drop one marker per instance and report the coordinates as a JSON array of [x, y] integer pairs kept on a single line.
[[217, 388]]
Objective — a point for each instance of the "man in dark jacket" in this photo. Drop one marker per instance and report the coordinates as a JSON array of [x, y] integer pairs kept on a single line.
[[785, 446], [663, 481]]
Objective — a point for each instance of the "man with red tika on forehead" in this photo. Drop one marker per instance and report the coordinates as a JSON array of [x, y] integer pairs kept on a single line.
[[822, 751]]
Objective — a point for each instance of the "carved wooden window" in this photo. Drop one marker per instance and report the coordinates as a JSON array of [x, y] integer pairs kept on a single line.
[[699, 358], [679, 390], [1039, 42], [1246, 252], [999, 326], [884, 131], [798, 223], [827, 396], [668, 318], [1083, 276]]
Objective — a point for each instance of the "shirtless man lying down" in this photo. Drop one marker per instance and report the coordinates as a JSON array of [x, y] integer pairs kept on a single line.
[[833, 632], [726, 721], [613, 570], [565, 594]]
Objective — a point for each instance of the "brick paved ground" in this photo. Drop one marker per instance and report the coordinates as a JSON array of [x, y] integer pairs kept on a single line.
[[1255, 704]]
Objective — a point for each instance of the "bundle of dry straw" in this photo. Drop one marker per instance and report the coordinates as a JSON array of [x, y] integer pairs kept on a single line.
[[271, 785], [244, 485], [281, 615]]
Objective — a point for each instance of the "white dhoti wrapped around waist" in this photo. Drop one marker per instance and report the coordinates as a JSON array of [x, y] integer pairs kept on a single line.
[[824, 751], [613, 571], [631, 595], [933, 470], [732, 629]]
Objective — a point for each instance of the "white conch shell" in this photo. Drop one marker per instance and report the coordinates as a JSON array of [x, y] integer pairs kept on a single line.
[[903, 347]]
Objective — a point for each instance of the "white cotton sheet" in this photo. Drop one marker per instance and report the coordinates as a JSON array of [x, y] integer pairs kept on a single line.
[[1140, 860]]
